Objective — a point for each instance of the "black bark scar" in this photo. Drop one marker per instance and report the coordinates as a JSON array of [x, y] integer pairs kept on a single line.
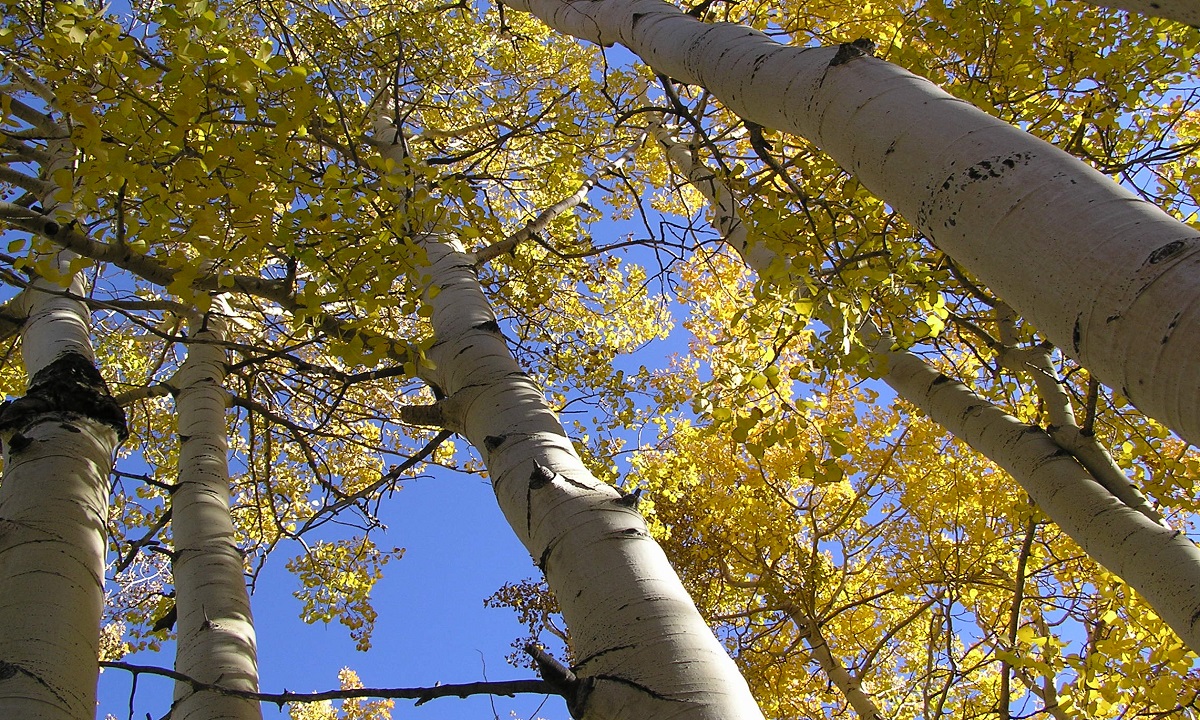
[[848, 51], [70, 384]]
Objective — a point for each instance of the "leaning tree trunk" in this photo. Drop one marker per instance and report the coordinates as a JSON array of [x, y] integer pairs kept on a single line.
[[216, 643], [1161, 564], [642, 650], [59, 441], [1103, 274], [1123, 536]]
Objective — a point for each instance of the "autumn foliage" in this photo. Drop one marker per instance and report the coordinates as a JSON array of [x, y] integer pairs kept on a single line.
[[851, 554]]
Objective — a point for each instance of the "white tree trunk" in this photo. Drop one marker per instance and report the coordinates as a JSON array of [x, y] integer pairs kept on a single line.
[[59, 441], [642, 650], [1161, 564], [1184, 11], [1108, 277], [216, 642], [58, 452]]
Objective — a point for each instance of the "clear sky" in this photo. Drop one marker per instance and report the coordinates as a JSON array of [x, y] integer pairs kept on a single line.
[[433, 626]]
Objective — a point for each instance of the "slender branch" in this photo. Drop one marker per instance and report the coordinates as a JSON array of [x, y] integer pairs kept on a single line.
[[300, 435], [25, 151], [1014, 618], [147, 392], [71, 237], [392, 475], [534, 228], [27, 182], [971, 287], [30, 83], [13, 210], [420, 694], [34, 117], [145, 540], [1089, 418], [682, 110]]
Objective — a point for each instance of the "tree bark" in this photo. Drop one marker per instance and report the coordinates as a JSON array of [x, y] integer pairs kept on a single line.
[[59, 441], [1108, 277], [1184, 11], [1161, 564], [1065, 430], [641, 648], [216, 642], [841, 677]]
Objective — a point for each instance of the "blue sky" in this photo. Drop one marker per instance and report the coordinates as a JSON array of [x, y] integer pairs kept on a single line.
[[433, 626]]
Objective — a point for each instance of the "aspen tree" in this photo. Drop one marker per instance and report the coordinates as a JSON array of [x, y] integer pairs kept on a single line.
[[59, 441], [641, 649], [1123, 535], [1103, 274], [216, 642]]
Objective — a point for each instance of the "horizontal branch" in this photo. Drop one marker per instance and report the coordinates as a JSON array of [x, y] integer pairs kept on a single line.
[[34, 117], [72, 237], [24, 150], [422, 695], [25, 182]]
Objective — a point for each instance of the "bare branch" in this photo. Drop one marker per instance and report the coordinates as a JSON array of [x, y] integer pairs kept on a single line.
[[422, 695]]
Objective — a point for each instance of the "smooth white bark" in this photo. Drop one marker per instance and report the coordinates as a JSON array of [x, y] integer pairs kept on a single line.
[[1067, 433], [1128, 539], [1184, 11], [1161, 564], [53, 510], [1109, 278], [59, 441], [642, 649], [216, 642]]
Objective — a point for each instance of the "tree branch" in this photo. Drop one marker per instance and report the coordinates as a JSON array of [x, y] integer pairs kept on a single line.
[[421, 694]]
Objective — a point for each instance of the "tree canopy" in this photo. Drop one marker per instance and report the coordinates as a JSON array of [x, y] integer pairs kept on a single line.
[[719, 313]]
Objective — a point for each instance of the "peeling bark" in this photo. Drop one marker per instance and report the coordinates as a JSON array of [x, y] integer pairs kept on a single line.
[[69, 387]]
